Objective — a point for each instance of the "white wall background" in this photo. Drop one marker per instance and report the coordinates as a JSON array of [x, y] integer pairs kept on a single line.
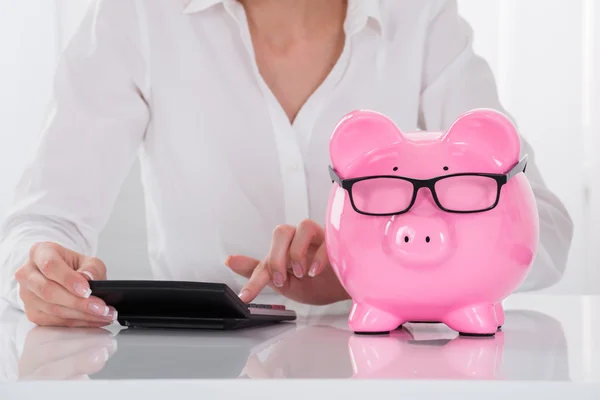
[[545, 54]]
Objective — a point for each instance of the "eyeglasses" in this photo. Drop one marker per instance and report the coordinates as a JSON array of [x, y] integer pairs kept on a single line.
[[385, 195]]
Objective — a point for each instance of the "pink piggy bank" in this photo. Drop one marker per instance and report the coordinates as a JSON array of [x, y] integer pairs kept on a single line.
[[429, 227]]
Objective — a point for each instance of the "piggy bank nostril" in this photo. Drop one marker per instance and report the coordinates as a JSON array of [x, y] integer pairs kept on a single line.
[[427, 239], [406, 239]]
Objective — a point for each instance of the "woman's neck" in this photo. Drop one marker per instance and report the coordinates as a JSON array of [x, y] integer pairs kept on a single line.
[[282, 21]]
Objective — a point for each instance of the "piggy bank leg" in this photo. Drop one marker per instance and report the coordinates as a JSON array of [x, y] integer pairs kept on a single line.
[[370, 320], [477, 320], [500, 315]]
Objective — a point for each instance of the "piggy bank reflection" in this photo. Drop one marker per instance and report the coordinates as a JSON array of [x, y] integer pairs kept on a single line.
[[431, 227], [533, 348], [401, 355]]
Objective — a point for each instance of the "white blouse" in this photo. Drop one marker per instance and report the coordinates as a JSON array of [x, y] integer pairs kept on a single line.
[[176, 83]]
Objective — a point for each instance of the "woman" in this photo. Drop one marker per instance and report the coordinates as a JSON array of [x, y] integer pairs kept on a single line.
[[231, 104]]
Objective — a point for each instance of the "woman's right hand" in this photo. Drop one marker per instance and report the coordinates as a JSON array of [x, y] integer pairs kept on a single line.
[[55, 290]]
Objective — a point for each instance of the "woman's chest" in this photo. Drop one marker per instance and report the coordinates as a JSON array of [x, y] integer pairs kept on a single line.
[[225, 104], [215, 121], [209, 92]]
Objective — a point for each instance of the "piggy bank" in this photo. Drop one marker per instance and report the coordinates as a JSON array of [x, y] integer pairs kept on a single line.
[[429, 226]]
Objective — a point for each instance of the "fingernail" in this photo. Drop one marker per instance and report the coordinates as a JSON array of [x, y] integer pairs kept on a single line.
[[88, 274], [112, 314], [244, 295], [297, 270], [98, 309], [313, 269], [278, 279], [82, 290]]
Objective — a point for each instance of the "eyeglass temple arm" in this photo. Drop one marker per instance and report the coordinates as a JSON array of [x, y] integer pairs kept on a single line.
[[520, 167], [334, 176]]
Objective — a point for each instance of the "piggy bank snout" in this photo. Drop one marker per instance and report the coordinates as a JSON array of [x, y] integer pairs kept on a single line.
[[417, 240]]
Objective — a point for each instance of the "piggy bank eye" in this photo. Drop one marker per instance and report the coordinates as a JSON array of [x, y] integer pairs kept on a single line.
[[395, 168], [445, 168]]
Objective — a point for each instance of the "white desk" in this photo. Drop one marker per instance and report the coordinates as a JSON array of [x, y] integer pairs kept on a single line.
[[549, 346]]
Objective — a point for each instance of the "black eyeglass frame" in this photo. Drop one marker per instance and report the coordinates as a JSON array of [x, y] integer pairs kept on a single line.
[[501, 180]]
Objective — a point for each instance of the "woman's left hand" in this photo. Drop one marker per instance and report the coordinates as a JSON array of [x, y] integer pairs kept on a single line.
[[297, 267]]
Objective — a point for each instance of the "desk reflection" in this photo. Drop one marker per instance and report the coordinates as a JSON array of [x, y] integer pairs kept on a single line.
[[65, 354], [532, 347]]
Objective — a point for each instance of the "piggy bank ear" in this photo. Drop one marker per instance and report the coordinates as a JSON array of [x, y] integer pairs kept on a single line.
[[489, 132], [359, 133]]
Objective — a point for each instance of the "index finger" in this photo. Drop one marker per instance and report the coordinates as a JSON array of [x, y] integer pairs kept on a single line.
[[256, 283], [53, 267]]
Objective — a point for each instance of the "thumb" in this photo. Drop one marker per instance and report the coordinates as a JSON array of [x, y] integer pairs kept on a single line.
[[242, 265], [92, 268]]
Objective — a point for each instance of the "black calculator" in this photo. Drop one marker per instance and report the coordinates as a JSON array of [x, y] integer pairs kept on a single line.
[[177, 304]]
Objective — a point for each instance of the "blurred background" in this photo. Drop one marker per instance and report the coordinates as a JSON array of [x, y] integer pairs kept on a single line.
[[545, 55]]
